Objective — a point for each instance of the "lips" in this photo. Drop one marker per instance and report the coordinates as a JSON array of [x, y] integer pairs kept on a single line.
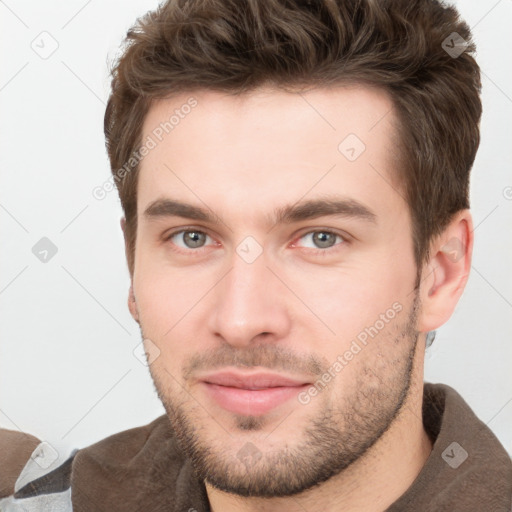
[[252, 381], [250, 393]]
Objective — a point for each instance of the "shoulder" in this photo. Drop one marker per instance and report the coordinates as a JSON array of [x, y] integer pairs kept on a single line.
[[468, 468], [126, 464], [133, 448], [139, 469]]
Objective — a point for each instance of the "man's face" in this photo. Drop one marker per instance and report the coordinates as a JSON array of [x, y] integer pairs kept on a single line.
[[280, 301]]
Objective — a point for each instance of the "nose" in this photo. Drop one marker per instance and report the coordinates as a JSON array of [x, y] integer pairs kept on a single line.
[[250, 305]]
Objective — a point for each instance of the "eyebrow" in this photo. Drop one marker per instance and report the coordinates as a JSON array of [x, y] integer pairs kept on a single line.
[[300, 211]]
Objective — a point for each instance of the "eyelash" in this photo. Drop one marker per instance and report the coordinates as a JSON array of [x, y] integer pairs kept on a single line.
[[198, 251]]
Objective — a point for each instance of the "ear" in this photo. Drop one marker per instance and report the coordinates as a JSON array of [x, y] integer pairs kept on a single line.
[[132, 304], [126, 249], [445, 275]]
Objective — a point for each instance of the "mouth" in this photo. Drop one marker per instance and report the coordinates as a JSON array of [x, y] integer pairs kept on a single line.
[[251, 394]]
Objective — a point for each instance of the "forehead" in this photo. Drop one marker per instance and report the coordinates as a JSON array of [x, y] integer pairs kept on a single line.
[[269, 146]]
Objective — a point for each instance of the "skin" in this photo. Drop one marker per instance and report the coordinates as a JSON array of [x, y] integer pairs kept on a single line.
[[360, 442]]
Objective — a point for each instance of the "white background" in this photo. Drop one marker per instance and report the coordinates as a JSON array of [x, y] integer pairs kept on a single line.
[[67, 371]]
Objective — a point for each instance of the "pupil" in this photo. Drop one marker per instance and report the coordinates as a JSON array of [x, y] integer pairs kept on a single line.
[[323, 239], [194, 239]]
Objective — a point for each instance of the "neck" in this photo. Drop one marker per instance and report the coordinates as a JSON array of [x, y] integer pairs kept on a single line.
[[370, 484]]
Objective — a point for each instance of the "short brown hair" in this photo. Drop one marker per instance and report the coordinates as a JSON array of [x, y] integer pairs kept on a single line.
[[234, 46]]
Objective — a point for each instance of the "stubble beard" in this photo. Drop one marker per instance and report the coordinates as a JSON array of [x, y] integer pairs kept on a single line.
[[330, 442]]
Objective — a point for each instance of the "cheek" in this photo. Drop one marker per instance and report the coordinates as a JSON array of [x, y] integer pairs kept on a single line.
[[165, 294], [169, 302], [348, 299], [160, 305]]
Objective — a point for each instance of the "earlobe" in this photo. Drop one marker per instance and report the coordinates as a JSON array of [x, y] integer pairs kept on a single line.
[[447, 272], [132, 304]]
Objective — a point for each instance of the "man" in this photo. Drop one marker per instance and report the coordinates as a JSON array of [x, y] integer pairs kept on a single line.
[[294, 178]]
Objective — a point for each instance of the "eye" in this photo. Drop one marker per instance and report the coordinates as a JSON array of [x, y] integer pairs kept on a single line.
[[320, 239], [190, 239]]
